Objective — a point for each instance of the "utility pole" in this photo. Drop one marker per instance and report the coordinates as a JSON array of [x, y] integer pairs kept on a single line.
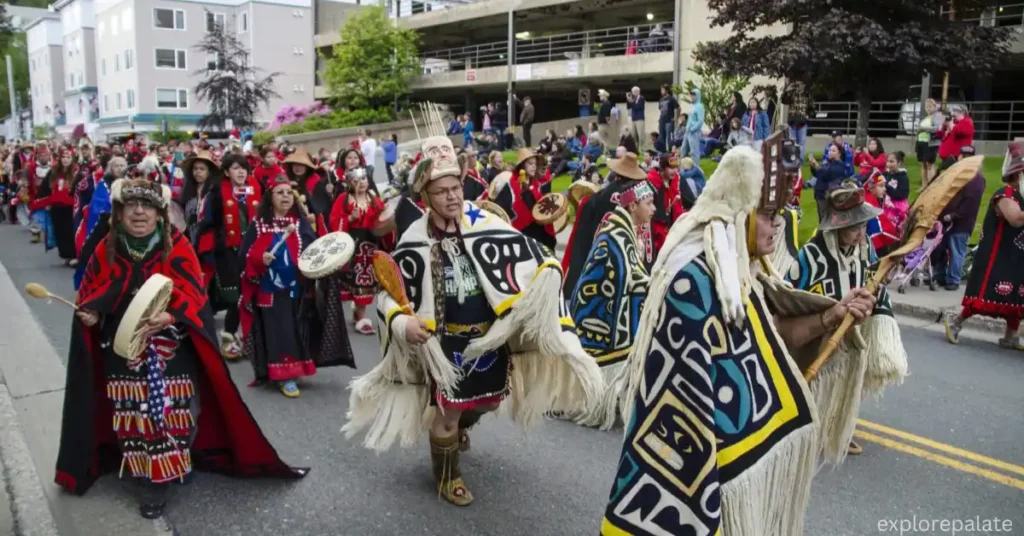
[[511, 69], [14, 103], [677, 37]]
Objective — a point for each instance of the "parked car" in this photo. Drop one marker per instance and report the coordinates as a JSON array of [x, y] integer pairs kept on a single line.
[[911, 111]]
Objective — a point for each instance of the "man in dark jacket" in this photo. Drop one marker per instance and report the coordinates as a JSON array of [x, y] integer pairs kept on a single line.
[[526, 118], [637, 107], [667, 108], [959, 218]]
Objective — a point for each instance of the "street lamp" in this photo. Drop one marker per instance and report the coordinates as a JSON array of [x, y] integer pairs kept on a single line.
[[650, 16]]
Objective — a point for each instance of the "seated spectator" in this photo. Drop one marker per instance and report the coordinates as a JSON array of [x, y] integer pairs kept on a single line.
[[679, 134], [713, 141], [657, 143], [691, 181], [829, 175], [585, 169], [559, 158], [593, 149], [574, 144], [870, 159], [844, 148], [580, 135], [548, 143], [650, 160], [738, 135], [495, 165]]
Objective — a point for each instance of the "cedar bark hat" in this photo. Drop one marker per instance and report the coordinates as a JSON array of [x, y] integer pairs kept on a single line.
[[525, 155], [299, 156], [628, 166], [204, 156]]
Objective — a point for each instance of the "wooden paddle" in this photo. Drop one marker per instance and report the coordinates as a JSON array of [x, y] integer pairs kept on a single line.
[[925, 210], [390, 278], [38, 291]]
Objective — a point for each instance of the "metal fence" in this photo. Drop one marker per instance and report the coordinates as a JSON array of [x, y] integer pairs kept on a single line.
[[993, 120], [620, 41]]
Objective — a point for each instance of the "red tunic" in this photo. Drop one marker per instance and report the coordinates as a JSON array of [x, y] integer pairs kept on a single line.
[[264, 174]]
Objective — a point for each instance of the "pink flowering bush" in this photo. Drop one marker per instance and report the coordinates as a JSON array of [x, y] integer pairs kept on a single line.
[[297, 114]]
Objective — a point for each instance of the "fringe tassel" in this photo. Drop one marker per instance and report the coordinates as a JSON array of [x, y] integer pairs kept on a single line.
[[531, 316], [770, 498], [885, 355], [604, 414], [540, 383], [836, 391]]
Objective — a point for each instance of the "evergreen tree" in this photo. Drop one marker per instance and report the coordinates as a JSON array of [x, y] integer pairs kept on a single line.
[[232, 87]]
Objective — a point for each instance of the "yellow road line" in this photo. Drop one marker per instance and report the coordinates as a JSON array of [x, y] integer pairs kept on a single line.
[[949, 449], [941, 460]]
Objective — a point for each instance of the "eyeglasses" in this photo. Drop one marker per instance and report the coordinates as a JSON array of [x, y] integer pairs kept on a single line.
[[446, 192], [137, 204]]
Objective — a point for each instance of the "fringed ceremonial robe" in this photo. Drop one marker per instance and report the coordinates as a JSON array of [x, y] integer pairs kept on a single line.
[[141, 415], [606, 303], [521, 286], [281, 330], [995, 286], [871, 357], [721, 438]]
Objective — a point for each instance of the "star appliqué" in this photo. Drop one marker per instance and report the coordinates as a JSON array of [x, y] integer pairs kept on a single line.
[[474, 214]]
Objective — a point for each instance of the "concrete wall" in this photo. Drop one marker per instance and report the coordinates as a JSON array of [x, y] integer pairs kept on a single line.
[[339, 139], [608, 66]]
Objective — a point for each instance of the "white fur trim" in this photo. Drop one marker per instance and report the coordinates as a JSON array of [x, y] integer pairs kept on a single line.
[[885, 354]]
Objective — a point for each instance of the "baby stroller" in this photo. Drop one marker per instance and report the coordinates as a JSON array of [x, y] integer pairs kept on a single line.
[[918, 262]]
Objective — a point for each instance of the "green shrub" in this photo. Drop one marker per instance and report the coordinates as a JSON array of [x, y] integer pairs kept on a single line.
[[334, 120]]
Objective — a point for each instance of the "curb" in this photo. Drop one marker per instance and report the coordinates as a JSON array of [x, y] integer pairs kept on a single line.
[[31, 509], [934, 315]]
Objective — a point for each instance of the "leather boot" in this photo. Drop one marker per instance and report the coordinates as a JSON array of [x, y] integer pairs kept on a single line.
[[466, 421], [444, 459]]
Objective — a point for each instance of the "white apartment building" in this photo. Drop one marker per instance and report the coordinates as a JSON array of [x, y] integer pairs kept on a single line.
[[79, 103], [147, 62], [46, 69]]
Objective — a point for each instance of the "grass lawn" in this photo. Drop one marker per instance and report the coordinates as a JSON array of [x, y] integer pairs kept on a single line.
[[991, 169]]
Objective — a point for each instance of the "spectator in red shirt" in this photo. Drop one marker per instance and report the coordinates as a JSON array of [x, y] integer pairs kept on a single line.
[[870, 158], [957, 134]]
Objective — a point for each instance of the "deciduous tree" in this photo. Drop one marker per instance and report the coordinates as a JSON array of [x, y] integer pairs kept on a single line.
[[373, 63], [716, 89], [853, 45], [234, 89]]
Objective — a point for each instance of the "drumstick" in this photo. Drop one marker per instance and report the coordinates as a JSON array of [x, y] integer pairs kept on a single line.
[[38, 291], [288, 230]]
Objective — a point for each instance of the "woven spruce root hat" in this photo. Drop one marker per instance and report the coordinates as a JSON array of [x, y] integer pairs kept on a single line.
[[845, 207]]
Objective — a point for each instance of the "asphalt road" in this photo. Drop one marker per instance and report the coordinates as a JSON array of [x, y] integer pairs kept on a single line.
[[554, 479]]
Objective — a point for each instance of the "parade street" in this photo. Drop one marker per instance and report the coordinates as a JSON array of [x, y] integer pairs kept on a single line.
[[944, 446]]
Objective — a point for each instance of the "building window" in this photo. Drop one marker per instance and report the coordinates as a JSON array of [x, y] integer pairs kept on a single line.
[[106, 103], [127, 19], [172, 98], [103, 67], [113, 27], [99, 28], [118, 99], [168, 19], [214, 63], [130, 98], [81, 79], [71, 80], [117, 62], [214, 20], [169, 58], [129, 59], [243, 23], [33, 65]]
